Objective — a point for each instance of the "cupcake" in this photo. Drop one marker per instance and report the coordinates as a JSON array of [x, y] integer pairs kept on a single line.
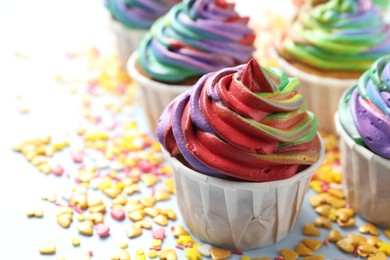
[[363, 123], [328, 46], [131, 20], [243, 148], [192, 39]]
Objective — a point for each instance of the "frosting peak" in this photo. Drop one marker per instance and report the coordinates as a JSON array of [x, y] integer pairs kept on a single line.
[[246, 122]]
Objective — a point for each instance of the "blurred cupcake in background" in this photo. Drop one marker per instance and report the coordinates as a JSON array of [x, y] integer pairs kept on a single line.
[[329, 45], [192, 39], [131, 20], [363, 123]]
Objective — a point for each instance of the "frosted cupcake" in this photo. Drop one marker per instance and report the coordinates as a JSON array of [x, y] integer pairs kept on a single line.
[[364, 126], [243, 148], [192, 39], [329, 45], [131, 20]]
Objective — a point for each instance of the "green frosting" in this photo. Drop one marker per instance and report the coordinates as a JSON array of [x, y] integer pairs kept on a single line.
[[338, 35]]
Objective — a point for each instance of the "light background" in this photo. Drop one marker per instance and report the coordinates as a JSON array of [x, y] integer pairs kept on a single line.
[[45, 30]]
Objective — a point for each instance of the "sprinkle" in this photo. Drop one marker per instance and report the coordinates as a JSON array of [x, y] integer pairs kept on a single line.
[[76, 242], [158, 233], [118, 214], [77, 157], [193, 254], [184, 240], [156, 243], [86, 228], [48, 248], [57, 170], [152, 253], [36, 213], [102, 230], [384, 247]]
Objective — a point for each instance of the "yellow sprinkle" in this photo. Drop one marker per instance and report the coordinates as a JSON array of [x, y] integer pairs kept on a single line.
[[316, 186], [335, 177], [75, 242], [124, 245], [140, 255], [24, 111], [184, 240], [245, 257], [152, 253], [156, 243], [81, 217]]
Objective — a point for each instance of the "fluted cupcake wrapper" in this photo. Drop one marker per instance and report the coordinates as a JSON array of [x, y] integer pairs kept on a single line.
[[321, 93], [155, 95], [366, 178], [239, 215], [127, 40]]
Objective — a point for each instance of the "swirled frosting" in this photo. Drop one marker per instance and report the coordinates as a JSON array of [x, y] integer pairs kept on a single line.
[[194, 38], [340, 35], [247, 122], [139, 13], [364, 110]]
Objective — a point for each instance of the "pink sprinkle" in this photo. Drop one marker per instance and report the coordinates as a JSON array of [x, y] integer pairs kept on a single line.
[[118, 214], [90, 253], [155, 248], [355, 251], [102, 229], [147, 143], [77, 180], [77, 157], [179, 247], [57, 170], [279, 258], [190, 245], [158, 233], [326, 242], [78, 210], [153, 191], [91, 88], [111, 126], [236, 252], [144, 166], [122, 88], [324, 186], [172, 228]]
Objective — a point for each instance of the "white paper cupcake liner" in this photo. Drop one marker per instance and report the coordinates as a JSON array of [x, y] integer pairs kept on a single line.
[[239, 215], [321, 93], [156, 95], [366, 179], [127, 40]]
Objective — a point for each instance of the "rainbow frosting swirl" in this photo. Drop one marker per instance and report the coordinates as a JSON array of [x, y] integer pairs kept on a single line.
[[247, 122], [139, 13], [194, 38], [340, 35], [364, 110]]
